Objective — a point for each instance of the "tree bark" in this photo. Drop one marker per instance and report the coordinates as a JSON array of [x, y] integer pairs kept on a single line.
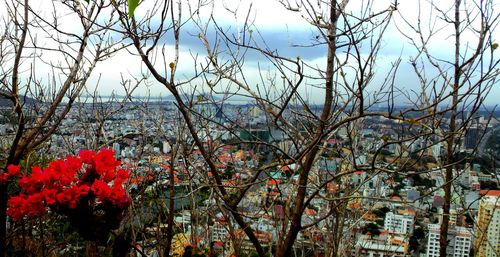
[[91, 249], [450, 148], [285, 248]]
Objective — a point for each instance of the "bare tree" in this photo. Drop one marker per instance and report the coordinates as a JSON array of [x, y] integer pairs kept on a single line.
[[299, 127], [461, 83]]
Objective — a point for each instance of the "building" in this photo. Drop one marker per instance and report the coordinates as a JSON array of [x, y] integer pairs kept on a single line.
[[437, 150], [399, 223], [459, 238], [116, 148], [453, 217], [488, 224], [472, 137], [383, 246]]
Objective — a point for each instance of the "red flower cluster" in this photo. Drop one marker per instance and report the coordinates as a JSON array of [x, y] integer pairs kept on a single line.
[[89, 180], [12, 171]]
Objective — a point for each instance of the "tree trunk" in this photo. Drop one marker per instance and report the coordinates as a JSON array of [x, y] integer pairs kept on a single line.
[[443, 240], [3, 218], [91, 249], [171, 205]]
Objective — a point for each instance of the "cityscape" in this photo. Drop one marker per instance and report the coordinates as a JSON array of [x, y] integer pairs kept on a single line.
[[249, 128], [389, 215]]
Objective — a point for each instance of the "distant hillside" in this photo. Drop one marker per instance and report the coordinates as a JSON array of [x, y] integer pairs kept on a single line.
[[189, 97], [5, 103]]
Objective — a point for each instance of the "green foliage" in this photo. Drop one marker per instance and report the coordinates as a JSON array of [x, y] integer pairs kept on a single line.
[[381, 212], [462, 158], [204, 194], [422, 181], [132, 4], [397, 178], [385, 152], [310, 206], [385, 209], [414, 244], [428, 159], [490, 185], [419, 233], [255, 254], [398, 188], [371, 228], [494, 141], [468, 219]]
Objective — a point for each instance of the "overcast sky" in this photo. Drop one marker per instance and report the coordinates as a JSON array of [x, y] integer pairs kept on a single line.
[[281, 28]]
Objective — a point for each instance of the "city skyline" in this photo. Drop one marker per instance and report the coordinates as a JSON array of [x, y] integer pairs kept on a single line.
[[290, 36]]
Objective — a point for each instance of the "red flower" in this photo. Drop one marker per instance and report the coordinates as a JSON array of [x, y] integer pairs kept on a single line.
[[63, 183], [13, 170], [34, 182], [69, 197], [87, 156], [108, 176], [63, 198], [119, 198], [122, 174], [35, 205], [3, 177], [101, 189], [105, 161], [72, 165], [16, 208], [83, 190], [66, 180], [24, 182], [50, 196]]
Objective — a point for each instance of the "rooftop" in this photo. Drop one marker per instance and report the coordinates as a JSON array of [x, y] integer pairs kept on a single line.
[[490, 192]]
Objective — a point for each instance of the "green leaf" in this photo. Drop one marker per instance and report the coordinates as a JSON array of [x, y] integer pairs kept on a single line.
[[86, 1], [132, 4]]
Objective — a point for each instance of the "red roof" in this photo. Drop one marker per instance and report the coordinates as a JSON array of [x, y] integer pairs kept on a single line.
[[230, 182], [273, 182], [396, 198], [219, 244], [310, 212], [221, 220], [490, 192], [332, 141], [332, 186], [279, 211]]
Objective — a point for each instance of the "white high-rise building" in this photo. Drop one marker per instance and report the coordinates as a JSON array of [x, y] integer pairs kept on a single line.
[[488, 224], [398, 223], [116, 148], [459, 238]]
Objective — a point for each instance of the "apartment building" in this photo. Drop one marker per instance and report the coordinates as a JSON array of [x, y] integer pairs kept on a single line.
[[488, 224], [399, 223], [460, 241]]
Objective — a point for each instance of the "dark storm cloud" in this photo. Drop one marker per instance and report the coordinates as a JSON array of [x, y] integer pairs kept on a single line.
[[288, 43]]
